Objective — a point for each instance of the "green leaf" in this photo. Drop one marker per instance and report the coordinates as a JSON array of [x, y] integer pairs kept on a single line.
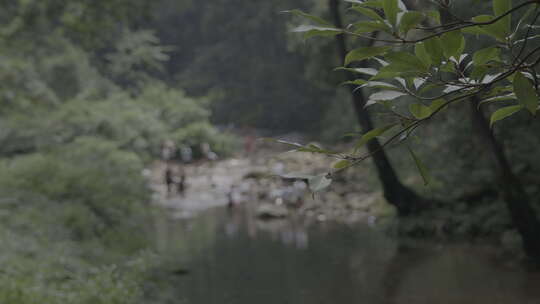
[[372, 134], [421, 167], [374, 3], [367, 3], [428, 88], [418, 82], [486, 55], [506, 97], [368, 12], [284, 142], [386, 95], [502, 113], [409, 20], [435, 50], [365, 71], [448, 67], [479, 72], [370, 26], [315, 19], [500, 7], [436, 104], [500, 90], [473, 30], [420, 111], [382, 85], [365, 53], [496, 30], [387, 72], [401, 6], [392, 71], [312, 31], [422, 54], [452, 43], [358, 82], [525, 92], [342, 164], [319, 182], [406, 61], [301, 148], [315, 149], [390, 10]]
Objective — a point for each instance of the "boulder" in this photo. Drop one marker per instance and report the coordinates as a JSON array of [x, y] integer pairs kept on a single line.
[[271, 211]]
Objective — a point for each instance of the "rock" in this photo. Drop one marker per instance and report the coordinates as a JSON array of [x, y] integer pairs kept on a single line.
[[381, 208], [180, 272], [256, 175], [361, 202], [330, 197], [271, 211]]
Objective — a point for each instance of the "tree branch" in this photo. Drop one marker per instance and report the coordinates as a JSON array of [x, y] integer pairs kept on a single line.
[[459, 25]]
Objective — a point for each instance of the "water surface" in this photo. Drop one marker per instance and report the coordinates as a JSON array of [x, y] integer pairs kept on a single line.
[[232, 258]]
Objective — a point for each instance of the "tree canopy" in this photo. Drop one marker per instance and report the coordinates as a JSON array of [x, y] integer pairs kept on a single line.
[[432, 66]]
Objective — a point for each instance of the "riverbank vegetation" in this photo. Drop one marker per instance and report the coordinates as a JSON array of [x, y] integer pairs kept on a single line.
[[83, 112]]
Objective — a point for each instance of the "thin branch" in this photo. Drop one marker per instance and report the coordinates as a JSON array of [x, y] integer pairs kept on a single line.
[[357, 160], [526, 37], [533, 65], [518, 67]]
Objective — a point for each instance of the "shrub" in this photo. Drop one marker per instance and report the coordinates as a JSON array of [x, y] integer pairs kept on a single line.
[[92, 184]]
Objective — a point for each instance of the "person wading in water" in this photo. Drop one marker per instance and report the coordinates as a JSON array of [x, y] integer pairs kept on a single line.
[[168, 150]]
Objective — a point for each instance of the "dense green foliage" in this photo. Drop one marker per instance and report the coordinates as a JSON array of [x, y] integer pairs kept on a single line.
[[236, 50], [68, 217], [83, 111], [431, 66]]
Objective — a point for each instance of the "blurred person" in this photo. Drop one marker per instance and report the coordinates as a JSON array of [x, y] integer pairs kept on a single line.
[[209, 156], [180, 180], [207, 152], [249, 144], [186, 154], [169, 179], [168, 150]]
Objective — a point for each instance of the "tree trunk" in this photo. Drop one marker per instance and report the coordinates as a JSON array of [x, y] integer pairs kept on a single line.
[[404, 199], [515, 197]]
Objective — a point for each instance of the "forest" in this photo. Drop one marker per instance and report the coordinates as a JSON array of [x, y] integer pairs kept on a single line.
[[300, 151]]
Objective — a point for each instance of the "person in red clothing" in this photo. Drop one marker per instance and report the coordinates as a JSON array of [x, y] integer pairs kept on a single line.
[[249, 143]]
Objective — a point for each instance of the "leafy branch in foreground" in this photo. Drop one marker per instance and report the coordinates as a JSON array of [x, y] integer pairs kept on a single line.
[[415, 56]]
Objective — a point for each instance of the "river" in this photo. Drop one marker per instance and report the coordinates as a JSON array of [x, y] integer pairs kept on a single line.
[[224, 256]]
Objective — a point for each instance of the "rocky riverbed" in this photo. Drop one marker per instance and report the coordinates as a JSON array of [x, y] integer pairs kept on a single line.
[[255, 182]]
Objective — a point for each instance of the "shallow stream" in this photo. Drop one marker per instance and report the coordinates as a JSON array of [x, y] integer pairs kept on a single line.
[[226, 256]]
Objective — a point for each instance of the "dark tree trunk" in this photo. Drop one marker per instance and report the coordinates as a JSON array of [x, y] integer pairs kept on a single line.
[[404, 199], [515, 197]]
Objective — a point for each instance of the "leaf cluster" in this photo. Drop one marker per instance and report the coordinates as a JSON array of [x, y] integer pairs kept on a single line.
[[416, 56]]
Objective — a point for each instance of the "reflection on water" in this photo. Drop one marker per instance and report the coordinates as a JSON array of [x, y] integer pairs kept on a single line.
[[233, 258]]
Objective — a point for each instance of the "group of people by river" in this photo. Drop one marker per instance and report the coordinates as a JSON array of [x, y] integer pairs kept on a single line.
[[176, 157]]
